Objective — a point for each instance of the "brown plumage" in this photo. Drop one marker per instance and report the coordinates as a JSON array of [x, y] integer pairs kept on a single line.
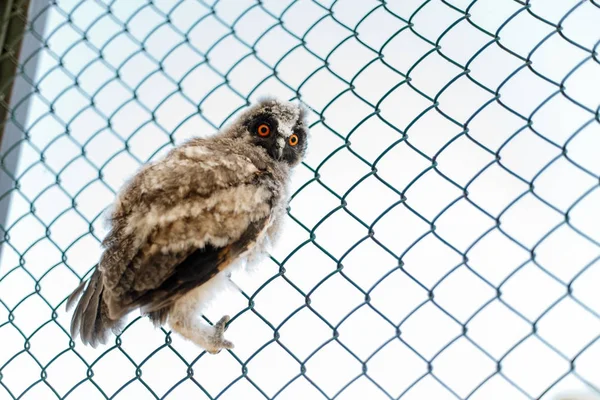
[[182, 224]]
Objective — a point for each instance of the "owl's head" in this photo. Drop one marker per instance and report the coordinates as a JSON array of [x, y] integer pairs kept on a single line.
[[277, 126]]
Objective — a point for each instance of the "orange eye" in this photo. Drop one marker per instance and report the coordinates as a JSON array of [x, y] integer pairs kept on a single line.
[[293, 140], [263, 130]]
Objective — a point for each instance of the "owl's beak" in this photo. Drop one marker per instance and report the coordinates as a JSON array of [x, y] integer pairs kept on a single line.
[[275, 151], [279, 149]]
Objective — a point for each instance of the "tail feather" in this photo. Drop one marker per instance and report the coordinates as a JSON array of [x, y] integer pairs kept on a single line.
[[91, 315], [90, 319], [83, 303], [75, 295]]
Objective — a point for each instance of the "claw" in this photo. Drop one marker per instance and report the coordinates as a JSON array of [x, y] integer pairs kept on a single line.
[[218, 341], [222, 324]]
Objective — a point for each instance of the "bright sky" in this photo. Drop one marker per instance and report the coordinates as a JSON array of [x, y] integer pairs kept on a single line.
[[467, 294]]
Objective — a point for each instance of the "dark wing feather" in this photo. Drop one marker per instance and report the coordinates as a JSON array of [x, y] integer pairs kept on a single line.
[[196, 269]]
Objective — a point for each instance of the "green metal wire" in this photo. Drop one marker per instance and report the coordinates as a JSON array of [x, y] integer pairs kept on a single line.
[[463, 14]]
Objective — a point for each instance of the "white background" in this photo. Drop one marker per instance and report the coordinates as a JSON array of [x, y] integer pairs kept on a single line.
[[486, 240]]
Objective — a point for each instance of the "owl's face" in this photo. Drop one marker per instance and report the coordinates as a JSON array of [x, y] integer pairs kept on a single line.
[[277, 126]]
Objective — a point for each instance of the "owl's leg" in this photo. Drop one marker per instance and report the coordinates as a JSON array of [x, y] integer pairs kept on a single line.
[[185, 317], [208, 337]]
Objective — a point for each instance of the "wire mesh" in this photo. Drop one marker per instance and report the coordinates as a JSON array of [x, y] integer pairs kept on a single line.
[[443, 236]]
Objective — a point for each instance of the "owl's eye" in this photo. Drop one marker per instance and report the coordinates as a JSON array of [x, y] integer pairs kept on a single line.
[[263, 130], [293, 140]]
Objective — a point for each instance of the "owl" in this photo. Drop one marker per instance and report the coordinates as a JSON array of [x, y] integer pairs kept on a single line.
[[183, 224]]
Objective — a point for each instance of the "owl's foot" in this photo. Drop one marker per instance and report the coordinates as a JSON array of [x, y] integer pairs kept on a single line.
[[207, 337], [215, 341]]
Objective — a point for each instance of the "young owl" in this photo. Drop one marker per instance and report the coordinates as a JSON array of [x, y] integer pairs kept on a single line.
[[182, 224]]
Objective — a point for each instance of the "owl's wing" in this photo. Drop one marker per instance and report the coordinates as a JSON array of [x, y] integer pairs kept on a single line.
[[160, 275], [178, 225], [197, 268]]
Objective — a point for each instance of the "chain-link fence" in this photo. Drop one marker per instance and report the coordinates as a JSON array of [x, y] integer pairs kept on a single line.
[[443, 239]]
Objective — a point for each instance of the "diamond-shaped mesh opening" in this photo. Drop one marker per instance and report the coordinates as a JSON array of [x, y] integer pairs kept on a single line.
[[443, 237]]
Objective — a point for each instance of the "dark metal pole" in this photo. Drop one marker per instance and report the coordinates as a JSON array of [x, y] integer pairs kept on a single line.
[[22, 28]]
